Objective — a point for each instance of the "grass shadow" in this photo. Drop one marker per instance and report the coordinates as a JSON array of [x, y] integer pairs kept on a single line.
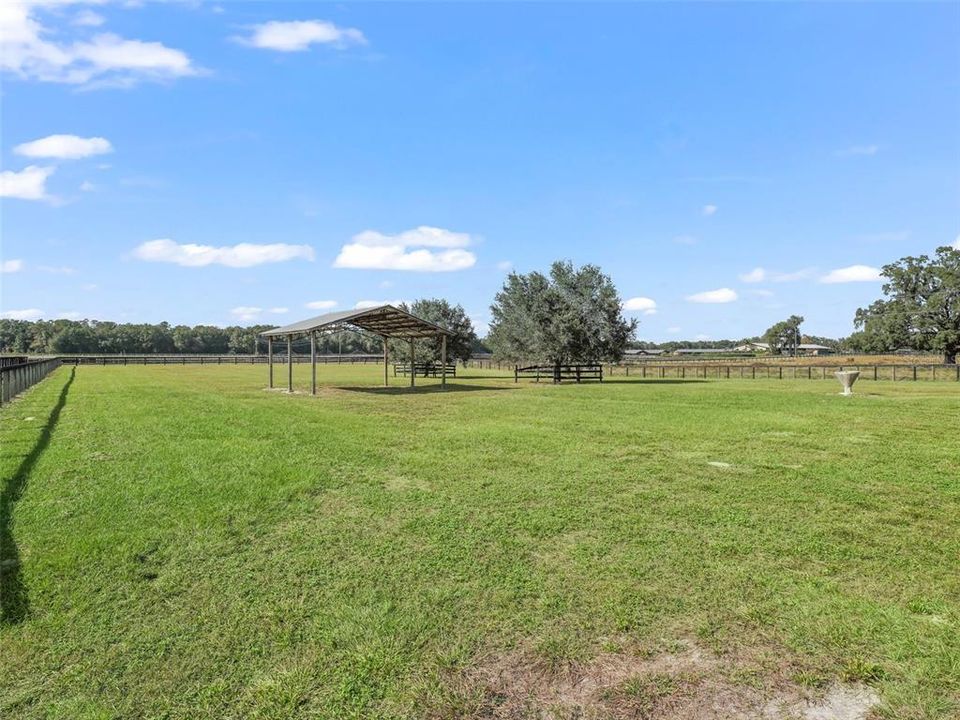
[[420, 389], [613, 381], [14, 601]]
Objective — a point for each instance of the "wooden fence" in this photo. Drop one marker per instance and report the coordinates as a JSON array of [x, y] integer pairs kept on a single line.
[[817, 369], [14, 379], [757, 370], [425, 369], [766, 371], [559, 373]]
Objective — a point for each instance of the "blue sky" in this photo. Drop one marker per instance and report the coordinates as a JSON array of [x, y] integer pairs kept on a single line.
[[727, 164]]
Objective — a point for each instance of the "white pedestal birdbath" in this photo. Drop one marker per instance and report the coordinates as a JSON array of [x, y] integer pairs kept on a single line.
[[847, 378]]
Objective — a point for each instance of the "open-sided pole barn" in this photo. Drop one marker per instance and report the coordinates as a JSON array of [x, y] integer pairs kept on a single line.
[[385, 321]]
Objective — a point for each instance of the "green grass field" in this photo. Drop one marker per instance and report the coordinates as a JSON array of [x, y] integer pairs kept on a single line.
[[181, 543]]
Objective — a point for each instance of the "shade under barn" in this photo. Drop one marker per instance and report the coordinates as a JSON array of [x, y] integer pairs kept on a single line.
[[386, 321]]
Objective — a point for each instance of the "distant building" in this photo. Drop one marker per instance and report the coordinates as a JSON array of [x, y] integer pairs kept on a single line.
[[813, 349], [802, 348], [706, 351], [640, 352], [753, 347]]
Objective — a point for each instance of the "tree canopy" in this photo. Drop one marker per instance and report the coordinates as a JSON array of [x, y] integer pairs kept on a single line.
[[572, 315], [452, 317], [784, 336], [922, 307]]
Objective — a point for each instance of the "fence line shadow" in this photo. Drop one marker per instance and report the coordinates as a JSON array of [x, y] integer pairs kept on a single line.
[[14, 600]]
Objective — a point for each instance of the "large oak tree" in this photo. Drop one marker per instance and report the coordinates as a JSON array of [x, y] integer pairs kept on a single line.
[[572, 315], [922, 307]]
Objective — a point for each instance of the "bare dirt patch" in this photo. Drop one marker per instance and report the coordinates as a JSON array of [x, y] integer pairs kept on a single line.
[[691, 683]]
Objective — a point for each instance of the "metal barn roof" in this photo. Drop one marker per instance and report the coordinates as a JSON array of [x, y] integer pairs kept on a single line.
[[385, 320]]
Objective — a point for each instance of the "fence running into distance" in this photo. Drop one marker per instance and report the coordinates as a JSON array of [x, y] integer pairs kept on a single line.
[[15, 378], [790, 372], [651, 369], [756, 371]]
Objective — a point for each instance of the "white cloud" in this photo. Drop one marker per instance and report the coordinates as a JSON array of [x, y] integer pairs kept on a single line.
[[247, 313], [29, 314], [859, 150], [322, 304], [88, 18], [87, 186], [758, 274], [956, 243], [853, 273], [423, 236], [11, 266], [685, 240], [371, 250], [32, 51], [28, 184], [721, 295], [299, 35], [237, 256], [505, 266], [365, 304], [648, 306], [64, 147], [709, 210]]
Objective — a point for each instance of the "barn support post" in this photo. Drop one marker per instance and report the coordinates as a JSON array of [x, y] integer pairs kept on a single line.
[[413, 372], [313, 363], [289, 363], [386, 361], [443, 363], [270, 358]]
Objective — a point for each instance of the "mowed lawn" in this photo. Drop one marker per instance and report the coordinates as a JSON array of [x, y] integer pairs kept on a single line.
[[190, 545]]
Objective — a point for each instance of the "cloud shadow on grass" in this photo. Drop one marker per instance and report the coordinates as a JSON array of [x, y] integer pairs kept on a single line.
[[14, 600]]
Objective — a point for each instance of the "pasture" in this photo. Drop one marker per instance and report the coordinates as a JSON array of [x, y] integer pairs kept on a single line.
[[180, 542]]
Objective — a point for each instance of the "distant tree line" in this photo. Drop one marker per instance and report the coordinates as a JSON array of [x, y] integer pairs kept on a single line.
[[570, 315], [101, 337], [108, 338]]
